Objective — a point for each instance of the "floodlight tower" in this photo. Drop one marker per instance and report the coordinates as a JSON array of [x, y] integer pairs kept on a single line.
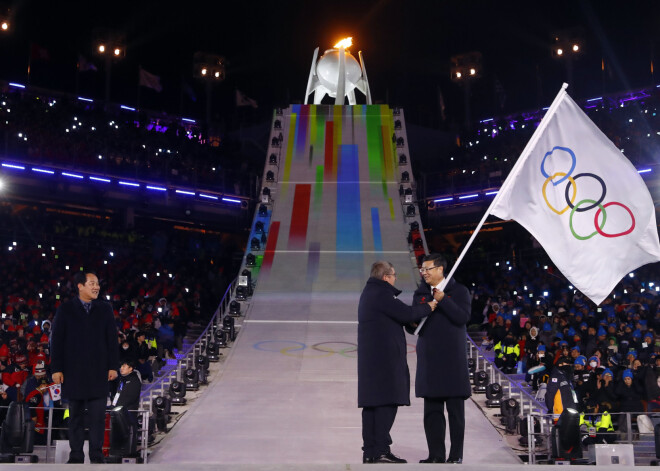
[[325, 75]]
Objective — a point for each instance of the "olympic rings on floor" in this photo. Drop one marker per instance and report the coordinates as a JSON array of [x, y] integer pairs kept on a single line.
[[297, 349]]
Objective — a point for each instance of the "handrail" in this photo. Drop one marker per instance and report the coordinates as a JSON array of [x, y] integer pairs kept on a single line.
[[189, 356]]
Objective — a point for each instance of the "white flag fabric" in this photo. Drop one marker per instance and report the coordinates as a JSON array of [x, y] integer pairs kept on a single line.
[[243, 100], [150, 80], [583, 200]]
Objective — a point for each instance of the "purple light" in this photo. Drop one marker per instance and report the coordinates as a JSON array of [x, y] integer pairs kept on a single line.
[[595, 99], [85, 99], [468, 196], [99, 179], [486, 120], [129, 184], [442, 200], [589, 107], [43, 170], [72, 175], [188, 120], [124, 107], [230, 200], [15, 167], [645, 170], [184, 192], [17, 85], [211, 197], [156, 188]]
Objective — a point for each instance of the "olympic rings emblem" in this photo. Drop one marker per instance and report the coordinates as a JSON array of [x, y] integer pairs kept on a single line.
[[297, 349], [570, 194]]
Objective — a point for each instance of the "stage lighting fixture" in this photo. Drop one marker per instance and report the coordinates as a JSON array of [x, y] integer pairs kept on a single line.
[[472, 366], [265, 191], [255, 244], [162, 408], [509, 411], [202, 362], [414, 226], [565, 436], [405, 176], [403, 160], [524, 429], [177, 392], [123, 437], [259, 227], [494, 395], [408, 195], [241, 293], [480, 381], [234, 308], [272, 159], [270, 176], [212, 352], [397, 124], [263, 210], [410, 210], [278, 124], [399, 142], [220, 337], [192, 379], [228, 325], [250, 260], [17, 435], [418, 244]]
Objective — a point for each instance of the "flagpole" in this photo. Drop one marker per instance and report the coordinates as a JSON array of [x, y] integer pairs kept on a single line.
[[507, 183]]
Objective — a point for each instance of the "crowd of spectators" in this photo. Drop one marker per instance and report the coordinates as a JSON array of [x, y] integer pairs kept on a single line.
[[482, 159], [158, 282], [534, 320], [66, 132]]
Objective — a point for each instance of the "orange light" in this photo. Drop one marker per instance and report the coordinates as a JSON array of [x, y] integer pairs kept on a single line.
[[576, 48], [473, 71], [5, 26], [117, 51], [101, 48], [560, 51], [217, 74], [459, 75], [344, 43], [204, 71]]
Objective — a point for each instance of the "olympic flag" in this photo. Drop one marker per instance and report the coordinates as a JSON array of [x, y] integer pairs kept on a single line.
[[582, 199]]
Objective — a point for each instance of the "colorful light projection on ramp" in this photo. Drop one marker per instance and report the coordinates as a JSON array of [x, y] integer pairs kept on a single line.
[[339, 165]]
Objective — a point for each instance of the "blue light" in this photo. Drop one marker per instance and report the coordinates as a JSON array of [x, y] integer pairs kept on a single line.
[[17, 85], [202, 195], [156, 188], [230, 200], [99, 179], [124, 107], [595, 99], [645, 170], [184, 192], [489, 193], [442, 200], [486, 120], [468, 196], [85, 99], [188, 120], [546, 108], [43, 170], [129, 184], [72, 175], [15, 167]]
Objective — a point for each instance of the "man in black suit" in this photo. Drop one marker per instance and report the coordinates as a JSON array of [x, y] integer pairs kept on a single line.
[[84, 358], [383, 376], [442, 371]]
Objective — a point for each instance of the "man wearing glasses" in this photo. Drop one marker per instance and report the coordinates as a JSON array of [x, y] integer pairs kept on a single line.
[[442, 371], [383, 376]]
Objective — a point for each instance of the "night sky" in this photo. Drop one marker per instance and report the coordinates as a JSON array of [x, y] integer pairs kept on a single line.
[[407, 45]]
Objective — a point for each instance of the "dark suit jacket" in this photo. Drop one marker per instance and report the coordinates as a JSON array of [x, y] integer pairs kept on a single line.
[[442, 369], [383, 376], [84, 347]]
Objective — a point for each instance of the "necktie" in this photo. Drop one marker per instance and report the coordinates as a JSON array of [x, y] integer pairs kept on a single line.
[[87, 306], [433, 291]]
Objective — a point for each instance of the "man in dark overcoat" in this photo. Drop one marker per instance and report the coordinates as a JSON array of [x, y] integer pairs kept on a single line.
[[442, 371], [383, 376], [84, 357]]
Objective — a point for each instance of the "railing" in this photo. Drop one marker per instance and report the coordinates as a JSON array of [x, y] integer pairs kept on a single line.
[[46, 453], [188, 358]]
